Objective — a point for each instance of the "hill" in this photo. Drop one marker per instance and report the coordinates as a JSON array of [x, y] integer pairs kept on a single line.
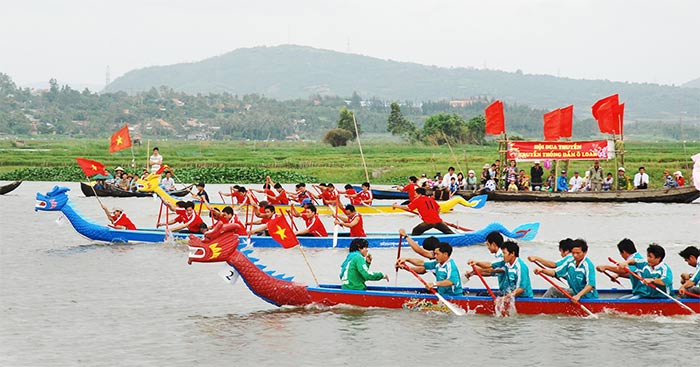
[[290, 72], [695, 83]]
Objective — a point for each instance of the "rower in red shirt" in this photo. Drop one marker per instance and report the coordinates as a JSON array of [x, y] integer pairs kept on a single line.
[[365, 195], [118, 219], [265, 218], [429, 211], [314, 226], [351, 194], [410, 188], [281, 197], [328, 194], [237, 196], [187, 216], [353, 220]]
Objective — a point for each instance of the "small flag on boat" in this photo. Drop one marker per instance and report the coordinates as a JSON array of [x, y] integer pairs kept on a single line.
[[120, 140], [281, 232], [91, 168]]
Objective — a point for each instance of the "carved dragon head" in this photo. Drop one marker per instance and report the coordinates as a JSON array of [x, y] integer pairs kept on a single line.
[[54, 200], [149, 184], [218, 244]]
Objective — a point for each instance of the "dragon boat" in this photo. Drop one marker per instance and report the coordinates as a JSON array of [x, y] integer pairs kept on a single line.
[[4, 189], [151, 184], [90, 190], [57, 200], [281, 290]]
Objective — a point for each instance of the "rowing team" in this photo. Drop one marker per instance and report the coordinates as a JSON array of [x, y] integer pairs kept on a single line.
[[326, 193], [650, 276]]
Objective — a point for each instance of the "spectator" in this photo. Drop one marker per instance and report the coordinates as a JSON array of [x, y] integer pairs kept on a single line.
[[641, 180], [679, 178], [596, 176], [576, 182], [669, 180], [608, 182], [471, 183], [563, 182], [623, 181], [536, 173], [485, 175]]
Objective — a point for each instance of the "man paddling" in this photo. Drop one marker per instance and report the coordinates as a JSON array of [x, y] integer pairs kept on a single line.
[[429, 211], [494, 243], [579, 273], [118, 219], [652, 270], [353, 220], [628, 251], [427, 249], [447, 278], [690, 283], [564, 251], [314, 226], [516, 279]]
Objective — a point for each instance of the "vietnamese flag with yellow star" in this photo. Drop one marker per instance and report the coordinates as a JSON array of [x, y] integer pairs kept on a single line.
[[120, 140], [281, 232], [92, 168]]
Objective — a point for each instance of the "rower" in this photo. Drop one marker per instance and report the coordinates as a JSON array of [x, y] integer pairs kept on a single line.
[[579, 273], [429, 211], [628, 251], [690, 283], [353, 220], [354, 271], [314, 226], [652, 270], [516, 282], [447, 278], [494, 243], [118, 219]]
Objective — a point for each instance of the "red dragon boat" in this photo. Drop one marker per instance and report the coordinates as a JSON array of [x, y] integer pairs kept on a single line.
[[281, 290]]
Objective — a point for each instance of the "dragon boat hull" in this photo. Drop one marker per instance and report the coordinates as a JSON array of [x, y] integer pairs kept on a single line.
[[89, 190], [9, 187], [57, 200], [150, 184], [280, 290]]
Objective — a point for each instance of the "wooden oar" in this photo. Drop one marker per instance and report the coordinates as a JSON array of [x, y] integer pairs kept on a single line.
[[454, 308], [555, 276], [653, 286], [465, 229], [691, 294], [550, 281], [478, 273], [398, 256]]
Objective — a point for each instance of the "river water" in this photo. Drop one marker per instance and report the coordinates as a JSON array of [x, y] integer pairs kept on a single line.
[[66, 301]]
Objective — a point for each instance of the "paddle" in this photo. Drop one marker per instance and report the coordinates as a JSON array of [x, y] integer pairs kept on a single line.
[[335, 227], [550, 281], [653, 286], [612, 278], [447, 223], [691, 294], [542, 266], [398, 256], [454, 308], [478, 273]]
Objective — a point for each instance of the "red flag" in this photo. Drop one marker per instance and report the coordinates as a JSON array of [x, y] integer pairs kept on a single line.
[[120, 140], [495, 118], [91, 168], [620, 117], [596, 107], [566, 121], [552, 123], [163, 168], [281, 232], [609, 117]]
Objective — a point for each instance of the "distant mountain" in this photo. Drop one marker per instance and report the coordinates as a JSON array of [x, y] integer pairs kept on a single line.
[[289, 72], [695, 83]]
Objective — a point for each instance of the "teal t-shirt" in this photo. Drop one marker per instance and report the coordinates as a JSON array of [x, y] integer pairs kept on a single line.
[[580, 276], [448, 270], [517, 276], [660, 271]]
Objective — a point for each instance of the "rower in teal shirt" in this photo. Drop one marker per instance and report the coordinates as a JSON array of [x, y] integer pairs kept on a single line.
[[517, 273], [656, 272], [448, 281], [634, 260], [579, 273]]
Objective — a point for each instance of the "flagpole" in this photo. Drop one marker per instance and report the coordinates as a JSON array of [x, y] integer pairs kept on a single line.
[[308, 264], [357, 132]]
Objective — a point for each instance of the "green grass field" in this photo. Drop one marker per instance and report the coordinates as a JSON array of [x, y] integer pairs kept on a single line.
[[389, 162]]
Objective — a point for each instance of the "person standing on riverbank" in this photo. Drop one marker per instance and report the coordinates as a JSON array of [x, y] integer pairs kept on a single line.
[[156, 160]]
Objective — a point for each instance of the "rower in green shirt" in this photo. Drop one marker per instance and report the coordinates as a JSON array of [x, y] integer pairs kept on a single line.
[[355, 269]]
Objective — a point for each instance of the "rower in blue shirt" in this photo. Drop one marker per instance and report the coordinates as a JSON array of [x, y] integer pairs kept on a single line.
[[633, 260], [494, 243], [579, 273], [655, 271], [448, 281], [690, 283], [564, 251], [517, 272]]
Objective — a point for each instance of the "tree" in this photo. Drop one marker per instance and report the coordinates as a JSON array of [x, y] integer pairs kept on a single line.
[[399, 125], [337, 137], [476, 127], [438, 128], [346, 122]]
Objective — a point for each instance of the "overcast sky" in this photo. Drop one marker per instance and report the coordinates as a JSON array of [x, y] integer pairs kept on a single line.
[[635, 40]]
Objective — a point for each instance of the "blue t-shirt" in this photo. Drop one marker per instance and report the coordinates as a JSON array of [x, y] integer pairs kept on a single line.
[[448, 270], [517, 276], [696, 277], [580, 276], [660, 271], [501, 276], [638, 288], [562, 183]]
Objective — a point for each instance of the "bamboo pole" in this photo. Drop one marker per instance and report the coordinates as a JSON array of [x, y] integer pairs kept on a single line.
[[452, 152], [357, 132]]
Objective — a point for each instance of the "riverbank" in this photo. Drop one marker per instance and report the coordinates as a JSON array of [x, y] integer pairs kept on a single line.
[[387, 162]]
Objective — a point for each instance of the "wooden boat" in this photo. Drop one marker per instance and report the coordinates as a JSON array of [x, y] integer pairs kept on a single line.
[[685, 194], [280, 290], [380, 194], [87, 190], [9, 187], [150, 184], [57, 200]]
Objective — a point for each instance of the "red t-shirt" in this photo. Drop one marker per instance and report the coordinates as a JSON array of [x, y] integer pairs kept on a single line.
[[192, 222], [364, 196], [123, 220], [353, 200], [240, 230], [428, 209], [239, 196], [329, 197], [411, 190], [358, 230], [316, 227]]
